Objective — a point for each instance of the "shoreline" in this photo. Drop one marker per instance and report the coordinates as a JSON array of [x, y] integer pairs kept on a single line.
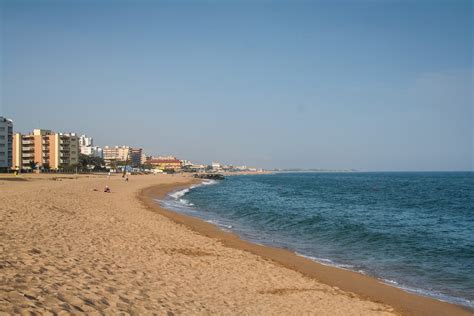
[[366, 287]]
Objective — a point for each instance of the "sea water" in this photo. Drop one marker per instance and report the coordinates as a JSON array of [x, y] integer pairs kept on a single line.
[[411, 230]]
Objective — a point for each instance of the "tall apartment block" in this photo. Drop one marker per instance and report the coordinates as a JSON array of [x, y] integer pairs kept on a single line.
[[46, 149], [135, 157], [86, 145], [6, 143], [122, 153], [115, 153]]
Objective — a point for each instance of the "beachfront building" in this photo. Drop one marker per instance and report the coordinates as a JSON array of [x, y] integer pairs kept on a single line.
[[143, 158], [167, 163], [194, 168], [136, 157], [186, 163], [113, 154], [6, 143], [45, 149], [216, 166]]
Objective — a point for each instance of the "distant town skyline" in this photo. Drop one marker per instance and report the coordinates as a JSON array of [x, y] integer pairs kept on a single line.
[[347, 85]]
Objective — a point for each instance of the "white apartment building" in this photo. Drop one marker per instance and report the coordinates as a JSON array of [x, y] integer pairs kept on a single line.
[[6, 142], [85, 141], [87, 147]]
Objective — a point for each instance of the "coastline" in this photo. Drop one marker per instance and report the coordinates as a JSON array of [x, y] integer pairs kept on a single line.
[[365, 287]]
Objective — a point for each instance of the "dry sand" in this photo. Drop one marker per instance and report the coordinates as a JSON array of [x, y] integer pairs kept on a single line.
[[65, 248]]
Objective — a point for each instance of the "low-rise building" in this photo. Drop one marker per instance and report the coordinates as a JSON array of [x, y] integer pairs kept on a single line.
[[216, 166], [165, 164], [6, 143]]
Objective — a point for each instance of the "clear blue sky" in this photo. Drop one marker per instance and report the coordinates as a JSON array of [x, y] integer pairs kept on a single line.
[[371, 85]]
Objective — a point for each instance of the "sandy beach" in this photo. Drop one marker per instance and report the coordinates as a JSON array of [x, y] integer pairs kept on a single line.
[[66, 248]]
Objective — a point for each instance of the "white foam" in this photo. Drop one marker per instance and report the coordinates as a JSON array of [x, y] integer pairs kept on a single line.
[[209, 182], [179, 194], [217, 223], [185, 202], [326, 262], [392, 282]]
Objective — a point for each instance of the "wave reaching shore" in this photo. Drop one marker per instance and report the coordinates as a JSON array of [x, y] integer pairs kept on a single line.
[[404, 229]]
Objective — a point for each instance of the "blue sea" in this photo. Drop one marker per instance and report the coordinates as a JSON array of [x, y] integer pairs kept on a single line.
[[410, 230]]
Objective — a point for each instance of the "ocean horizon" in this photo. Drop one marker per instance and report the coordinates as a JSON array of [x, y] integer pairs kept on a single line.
[[412, 230]]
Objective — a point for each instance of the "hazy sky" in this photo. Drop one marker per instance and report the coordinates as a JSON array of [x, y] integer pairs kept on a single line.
[[371, 85]]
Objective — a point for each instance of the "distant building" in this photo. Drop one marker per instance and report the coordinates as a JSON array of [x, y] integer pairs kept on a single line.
[[195, 168], [164, 157], [112, 154], [165, 164], [85, 141], [45, 149], [186, 163], [6, 143], [87, 147], [92, 151], [216, 166], [135, 157], [143, 159]]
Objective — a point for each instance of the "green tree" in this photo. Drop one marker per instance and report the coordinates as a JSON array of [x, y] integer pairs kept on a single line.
[[91, 163]]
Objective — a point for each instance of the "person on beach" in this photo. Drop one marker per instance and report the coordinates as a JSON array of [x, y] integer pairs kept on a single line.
[[126, 177], [107, 189]]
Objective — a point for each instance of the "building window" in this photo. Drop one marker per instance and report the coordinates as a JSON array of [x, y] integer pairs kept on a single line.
[[2, 129]]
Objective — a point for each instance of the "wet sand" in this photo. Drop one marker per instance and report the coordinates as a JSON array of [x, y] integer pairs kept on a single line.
[[65, 248]]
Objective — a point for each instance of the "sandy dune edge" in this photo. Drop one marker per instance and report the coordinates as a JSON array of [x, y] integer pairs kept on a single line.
[[65, 248]]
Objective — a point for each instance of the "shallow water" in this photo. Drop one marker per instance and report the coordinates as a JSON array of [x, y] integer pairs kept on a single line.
[[412, 230]]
